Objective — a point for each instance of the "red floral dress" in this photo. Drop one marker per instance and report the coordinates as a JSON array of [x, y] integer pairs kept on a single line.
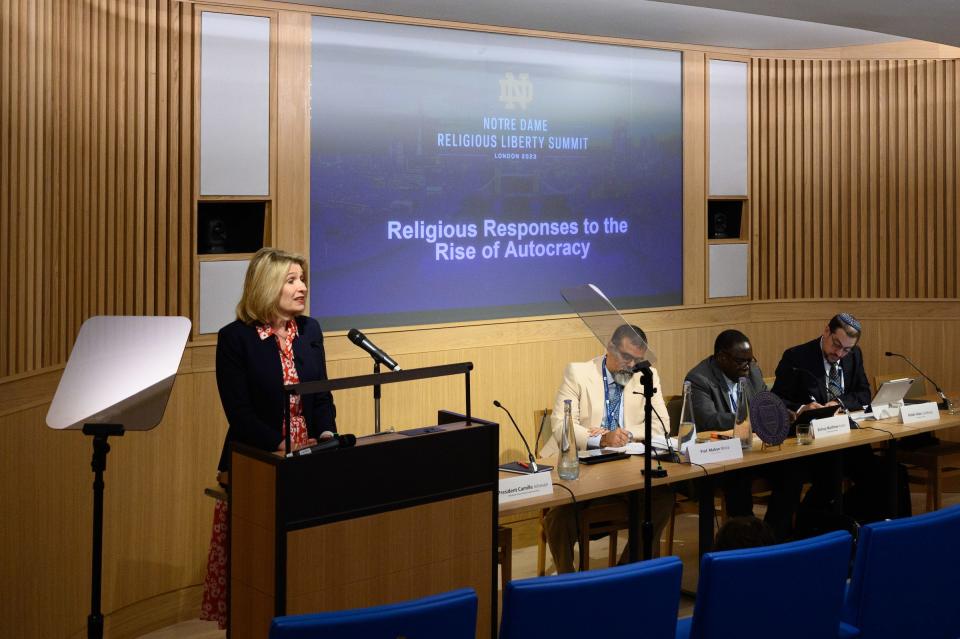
[[214, 606]]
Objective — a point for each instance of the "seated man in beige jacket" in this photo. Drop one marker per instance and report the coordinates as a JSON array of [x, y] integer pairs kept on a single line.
[[607, 403]]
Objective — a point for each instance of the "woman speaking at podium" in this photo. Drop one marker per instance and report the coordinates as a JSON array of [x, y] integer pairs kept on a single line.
[[270, 344]]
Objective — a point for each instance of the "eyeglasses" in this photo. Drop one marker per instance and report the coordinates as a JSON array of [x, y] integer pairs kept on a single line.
[[740, 361], [838, 345], [626, 358]]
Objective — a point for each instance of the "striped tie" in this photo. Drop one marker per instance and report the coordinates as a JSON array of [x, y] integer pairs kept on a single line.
[[834, 388], [613, 408]]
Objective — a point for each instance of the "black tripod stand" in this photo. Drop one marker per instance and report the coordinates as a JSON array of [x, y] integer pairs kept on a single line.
[[100, 433], [646, 380]]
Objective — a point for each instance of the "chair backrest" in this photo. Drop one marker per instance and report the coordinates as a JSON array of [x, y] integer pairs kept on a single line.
[[905, 577], [542, 428], [451, 615], [674, 406], [572, 604], [792, 590]]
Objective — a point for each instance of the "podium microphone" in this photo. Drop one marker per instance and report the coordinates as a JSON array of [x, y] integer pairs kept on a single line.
[[945, 403], [378, 355], [533, 462], [830, 395]]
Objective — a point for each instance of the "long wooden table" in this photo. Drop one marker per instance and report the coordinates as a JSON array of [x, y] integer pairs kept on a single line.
[[612, 478]]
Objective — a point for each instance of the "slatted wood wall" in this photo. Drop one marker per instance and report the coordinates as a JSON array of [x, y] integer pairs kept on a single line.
[[854, 179], [97, 176], [96, 168]]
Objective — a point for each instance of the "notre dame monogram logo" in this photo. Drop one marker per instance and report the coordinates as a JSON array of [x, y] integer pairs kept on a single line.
[[516, 90]]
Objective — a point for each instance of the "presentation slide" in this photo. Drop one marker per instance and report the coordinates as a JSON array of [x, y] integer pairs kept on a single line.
[[460, 175]]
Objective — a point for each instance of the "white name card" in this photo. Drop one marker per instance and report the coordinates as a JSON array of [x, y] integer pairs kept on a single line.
[[830, 426], [525, 486], [925, 412], [714, 450]]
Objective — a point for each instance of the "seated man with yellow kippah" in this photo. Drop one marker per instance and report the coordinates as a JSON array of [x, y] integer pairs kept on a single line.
[[828, 371]]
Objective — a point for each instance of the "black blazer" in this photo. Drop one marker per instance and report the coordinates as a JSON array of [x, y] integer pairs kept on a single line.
[[711, 403], [796, 387], [250, 381]]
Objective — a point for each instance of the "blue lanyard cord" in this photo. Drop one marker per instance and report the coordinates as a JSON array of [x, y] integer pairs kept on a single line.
[[613, 411]]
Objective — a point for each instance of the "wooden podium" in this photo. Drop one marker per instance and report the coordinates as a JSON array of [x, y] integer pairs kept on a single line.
[[398, 516]]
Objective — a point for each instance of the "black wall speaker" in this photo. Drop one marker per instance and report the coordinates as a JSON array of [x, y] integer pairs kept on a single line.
[[230, 227], [723, 219]]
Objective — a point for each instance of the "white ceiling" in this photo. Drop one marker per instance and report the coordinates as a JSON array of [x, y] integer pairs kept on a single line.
[[748, 24], [930, 20]]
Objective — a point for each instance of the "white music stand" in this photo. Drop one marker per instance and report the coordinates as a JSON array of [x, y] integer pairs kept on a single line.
[[118, 378]]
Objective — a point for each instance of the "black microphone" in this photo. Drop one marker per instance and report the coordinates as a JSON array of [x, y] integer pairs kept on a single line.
[[830, 394], [816, 380], [666, 435], [674, 456], [533, 462], [378, 355], [944, 402], [336, 440]]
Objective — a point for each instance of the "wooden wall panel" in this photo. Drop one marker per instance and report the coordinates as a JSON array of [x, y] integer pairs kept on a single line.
[[854, 190], [694, 178], [95, 168], [158, 520], [96, 188]]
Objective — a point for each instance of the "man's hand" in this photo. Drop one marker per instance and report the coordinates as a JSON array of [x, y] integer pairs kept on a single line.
[[614, 438], [809, 406]]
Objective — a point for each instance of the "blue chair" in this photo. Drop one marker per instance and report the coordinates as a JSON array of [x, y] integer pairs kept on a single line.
[[451, 615], [572, 605], [905, 577], [788, 591]]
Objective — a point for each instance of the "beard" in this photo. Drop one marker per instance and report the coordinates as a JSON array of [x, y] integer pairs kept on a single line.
[[622, 377]]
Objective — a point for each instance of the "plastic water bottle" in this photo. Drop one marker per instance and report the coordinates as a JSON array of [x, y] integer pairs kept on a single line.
[[688, 427], [568, 465], [741, 423]]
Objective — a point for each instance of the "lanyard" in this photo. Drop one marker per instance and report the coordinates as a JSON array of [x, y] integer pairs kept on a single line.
[[613, 411]]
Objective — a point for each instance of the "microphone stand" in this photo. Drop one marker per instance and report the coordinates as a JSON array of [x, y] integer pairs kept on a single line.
[[376, 400], [945, 403], [534, 467], [830, 395], [646, 380]]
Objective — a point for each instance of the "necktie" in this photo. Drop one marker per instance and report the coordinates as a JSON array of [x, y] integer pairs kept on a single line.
[[613, 408], [834, 387]]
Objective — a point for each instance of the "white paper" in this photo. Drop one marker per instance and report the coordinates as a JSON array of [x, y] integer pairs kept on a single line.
[[660, 444]]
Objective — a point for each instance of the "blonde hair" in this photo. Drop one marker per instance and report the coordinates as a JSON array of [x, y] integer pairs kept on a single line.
[[263, 283]]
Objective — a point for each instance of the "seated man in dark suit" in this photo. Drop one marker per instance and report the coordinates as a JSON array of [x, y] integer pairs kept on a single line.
[[714, 386], [826, 371], [829, 371]]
